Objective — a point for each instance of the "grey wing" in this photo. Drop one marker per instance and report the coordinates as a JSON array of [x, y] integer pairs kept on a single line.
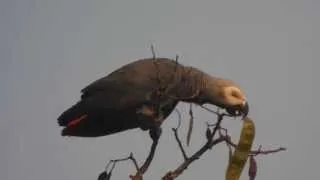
[[131, 84], [118, 92]]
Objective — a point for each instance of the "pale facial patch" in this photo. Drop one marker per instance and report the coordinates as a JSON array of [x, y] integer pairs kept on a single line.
[[233, 95]]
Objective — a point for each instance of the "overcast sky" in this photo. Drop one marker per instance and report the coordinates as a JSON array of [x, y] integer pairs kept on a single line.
[[50, 50]]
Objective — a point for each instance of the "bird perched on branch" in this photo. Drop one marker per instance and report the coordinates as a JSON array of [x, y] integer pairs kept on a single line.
[[142, 94]]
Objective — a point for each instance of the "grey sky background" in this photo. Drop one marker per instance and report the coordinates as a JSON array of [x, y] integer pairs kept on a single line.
[[49, 50]]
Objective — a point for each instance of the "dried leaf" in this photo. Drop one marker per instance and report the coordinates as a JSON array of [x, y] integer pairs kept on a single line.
[[253, 168]]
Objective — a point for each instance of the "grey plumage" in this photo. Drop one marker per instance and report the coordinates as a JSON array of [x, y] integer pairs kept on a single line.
[[112, 103]]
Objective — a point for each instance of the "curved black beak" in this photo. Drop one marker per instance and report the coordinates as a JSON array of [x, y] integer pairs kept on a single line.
[[239, 110], [245, 109]]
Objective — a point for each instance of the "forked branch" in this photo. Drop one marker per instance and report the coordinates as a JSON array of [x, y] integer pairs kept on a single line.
[[188, 160]]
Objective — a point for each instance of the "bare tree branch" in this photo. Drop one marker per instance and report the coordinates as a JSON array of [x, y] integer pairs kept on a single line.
[[175, 131], [210, 142], [191, 120]]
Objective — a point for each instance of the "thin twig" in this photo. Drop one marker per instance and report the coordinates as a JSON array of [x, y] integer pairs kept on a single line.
[[175, 131], [153, 52], [191, 120], [215, 129], [259, 151], [106, 175], [175, 75], [155, 62], [179, 118], [215, 112], [177, 62], [265, 152], [114, 161], [134, 161]]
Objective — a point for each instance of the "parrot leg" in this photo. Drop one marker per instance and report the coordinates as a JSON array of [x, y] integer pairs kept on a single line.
[[148, 118], [155, 134]]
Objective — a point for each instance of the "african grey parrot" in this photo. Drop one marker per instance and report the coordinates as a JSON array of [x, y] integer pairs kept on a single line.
[[142, 94]]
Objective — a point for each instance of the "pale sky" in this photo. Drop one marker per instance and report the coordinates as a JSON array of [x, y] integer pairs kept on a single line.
[[50, 50]]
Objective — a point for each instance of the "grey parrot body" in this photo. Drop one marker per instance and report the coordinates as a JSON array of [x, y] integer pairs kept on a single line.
[[114, 103]]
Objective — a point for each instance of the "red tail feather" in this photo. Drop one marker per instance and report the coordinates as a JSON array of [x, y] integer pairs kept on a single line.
[[76, 121]]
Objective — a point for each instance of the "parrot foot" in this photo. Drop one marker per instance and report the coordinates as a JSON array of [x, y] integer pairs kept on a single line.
[[148, 119], [155, 133]]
